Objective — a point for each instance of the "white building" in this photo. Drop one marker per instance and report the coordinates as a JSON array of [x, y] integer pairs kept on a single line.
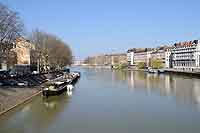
[[130, 57], [139, 55], [168, 59], [184, 56]]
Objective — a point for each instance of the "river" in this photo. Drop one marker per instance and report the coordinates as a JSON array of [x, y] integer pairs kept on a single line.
[[106, 101]]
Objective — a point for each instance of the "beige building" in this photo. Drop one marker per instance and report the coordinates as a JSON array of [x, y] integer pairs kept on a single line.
[[118, 58], [23, 49], [145, 55], [108, 59], [159, 54], [142, 55]]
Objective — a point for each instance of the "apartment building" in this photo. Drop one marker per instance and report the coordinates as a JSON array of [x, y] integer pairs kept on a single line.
[[138, 55], [130, 57], [23, 49], [186, 55], [159, 54]]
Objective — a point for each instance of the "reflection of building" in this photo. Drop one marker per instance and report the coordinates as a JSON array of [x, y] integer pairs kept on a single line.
[[197, 91], [184, 90], [185, 55]]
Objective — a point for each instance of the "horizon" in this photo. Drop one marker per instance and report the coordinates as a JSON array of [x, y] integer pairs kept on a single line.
[[103, 27]]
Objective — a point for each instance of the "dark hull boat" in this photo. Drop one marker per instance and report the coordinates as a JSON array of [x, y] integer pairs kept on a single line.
[[59, 87], [55, 88]]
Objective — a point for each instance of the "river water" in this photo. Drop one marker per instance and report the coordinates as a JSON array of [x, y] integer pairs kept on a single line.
[[106, 101]]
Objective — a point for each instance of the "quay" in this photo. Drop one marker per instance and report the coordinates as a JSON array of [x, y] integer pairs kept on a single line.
[[13, 96], [182, 72], [172, 71]]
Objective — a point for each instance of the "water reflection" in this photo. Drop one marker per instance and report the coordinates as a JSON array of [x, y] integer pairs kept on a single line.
[[113, 102], [185, 89], [37, 115]]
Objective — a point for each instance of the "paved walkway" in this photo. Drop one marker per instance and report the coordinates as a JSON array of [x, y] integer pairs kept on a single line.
[[12, 96]]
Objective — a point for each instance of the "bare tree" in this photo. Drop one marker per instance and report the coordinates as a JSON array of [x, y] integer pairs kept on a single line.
[[53, 52], [11, 25]]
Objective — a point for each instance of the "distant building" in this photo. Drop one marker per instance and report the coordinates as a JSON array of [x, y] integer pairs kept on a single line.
[[107, 59], [146, 55], [139, 55], [118, 58]]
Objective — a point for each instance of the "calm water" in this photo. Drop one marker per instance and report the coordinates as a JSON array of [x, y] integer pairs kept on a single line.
[[106, 101]]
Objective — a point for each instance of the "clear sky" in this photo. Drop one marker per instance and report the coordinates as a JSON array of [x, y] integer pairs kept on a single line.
[[109, 26]]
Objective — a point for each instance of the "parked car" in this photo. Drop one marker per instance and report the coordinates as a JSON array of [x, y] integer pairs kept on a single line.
[[1, 83], [12, 74], [4, 74], [5, 83], [22, 83], [12, 82], [35, 72]]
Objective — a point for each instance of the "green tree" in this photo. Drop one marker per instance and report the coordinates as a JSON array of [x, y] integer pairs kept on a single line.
[[141, 65], [156, 64]]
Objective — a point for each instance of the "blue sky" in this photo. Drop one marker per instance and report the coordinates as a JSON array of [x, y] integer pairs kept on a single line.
[[93, 27]]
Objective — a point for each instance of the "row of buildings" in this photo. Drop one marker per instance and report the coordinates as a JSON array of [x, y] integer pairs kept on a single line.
[[106, 59], [146, 55], [182, 56]]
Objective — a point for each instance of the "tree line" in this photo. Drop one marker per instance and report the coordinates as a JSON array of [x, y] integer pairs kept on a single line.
[[49, 49], [52, 51]]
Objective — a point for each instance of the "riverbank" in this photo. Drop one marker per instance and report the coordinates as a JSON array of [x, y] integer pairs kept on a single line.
[[181, 72], [173, 71], [12, 97]]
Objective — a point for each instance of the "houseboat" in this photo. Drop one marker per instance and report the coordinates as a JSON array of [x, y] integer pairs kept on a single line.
[[63, 84]]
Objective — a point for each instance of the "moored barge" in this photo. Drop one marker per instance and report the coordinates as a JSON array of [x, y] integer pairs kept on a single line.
[[59, 87]]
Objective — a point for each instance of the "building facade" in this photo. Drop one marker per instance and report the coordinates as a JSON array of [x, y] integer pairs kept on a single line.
[[139, 55], [107, 59], [16, 54], [130, 57], [185, 55], [159, 54], [168, 58], [23, 50]]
